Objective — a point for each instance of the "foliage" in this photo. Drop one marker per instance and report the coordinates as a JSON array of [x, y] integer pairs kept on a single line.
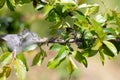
[[92, 32]]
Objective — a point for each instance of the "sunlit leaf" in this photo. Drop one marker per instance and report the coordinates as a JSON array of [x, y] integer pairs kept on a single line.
[[62, 53], [100, 18], [92, 10], [23, 59], [97, 44], [47, 9], [20, 69], [5, 58], [54, 63], [71, 66], [111, 47], [97, 28], [55, 47]]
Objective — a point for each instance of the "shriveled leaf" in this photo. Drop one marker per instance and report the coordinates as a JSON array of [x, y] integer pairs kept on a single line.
[[5, 58], [2, 2], [20, 69], [80, 58], [111, 47], [23, 59]]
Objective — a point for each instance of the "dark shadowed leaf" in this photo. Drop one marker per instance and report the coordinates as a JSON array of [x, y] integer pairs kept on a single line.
[[107, 52], [2, 2], [111, 47], [5, 72], [36, 59], [80, 58], [11, 4]]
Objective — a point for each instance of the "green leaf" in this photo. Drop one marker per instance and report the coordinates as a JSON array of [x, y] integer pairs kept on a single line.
[[80, 2], [47, 9], [3, 77], [88, 53], [36, 59], [55, 47], [100, 18], [107, 51], [71, 65], [92, 10], [111, 47], [39, 57], [22, 1], [97, 44], [80, 58], [2, 2], [102, 58], [63, 52], [5, 58], [5, 72], [23, 59], [11, 4], [115, 14], [53, 63], [20, 69], [97, 28]]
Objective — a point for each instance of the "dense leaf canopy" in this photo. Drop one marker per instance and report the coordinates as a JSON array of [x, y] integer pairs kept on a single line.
[[75, 24]]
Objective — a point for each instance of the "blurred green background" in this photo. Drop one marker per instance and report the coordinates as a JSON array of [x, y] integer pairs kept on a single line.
[[33, 19]]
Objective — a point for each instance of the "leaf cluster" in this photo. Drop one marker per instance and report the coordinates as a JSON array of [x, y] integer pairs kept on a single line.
[[93, 33]]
